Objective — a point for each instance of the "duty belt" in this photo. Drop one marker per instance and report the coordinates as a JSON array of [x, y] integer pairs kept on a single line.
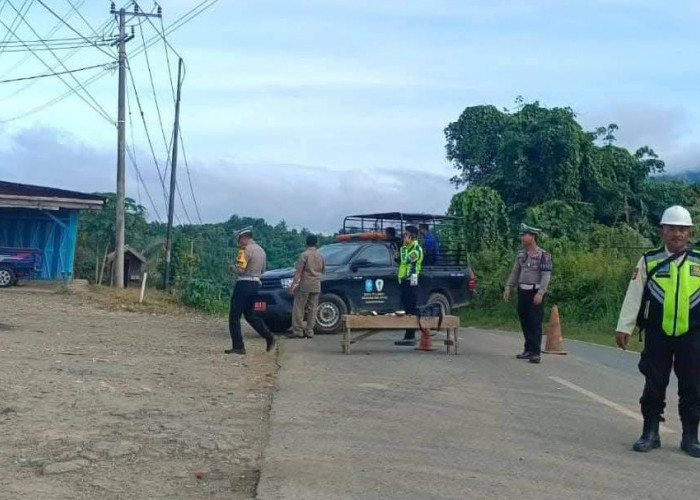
[[527, 286]]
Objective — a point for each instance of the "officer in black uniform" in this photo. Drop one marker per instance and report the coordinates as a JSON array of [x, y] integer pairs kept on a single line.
[[531, 274]]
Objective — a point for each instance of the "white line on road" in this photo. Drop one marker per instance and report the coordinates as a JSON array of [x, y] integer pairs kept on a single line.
[[606, 402]]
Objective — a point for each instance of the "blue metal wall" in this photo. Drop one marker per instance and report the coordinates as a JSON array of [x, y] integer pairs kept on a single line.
[[53, 232]]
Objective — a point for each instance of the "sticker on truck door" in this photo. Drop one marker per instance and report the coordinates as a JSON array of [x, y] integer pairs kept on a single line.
[[374, 292]]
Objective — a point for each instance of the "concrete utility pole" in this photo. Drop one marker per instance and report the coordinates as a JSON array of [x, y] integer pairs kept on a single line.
[[173, 180], [121, 136]]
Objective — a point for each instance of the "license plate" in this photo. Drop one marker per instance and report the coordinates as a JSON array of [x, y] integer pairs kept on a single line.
[[260, 307]]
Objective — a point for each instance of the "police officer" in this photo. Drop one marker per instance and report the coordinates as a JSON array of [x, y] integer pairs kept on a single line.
[[531, 273], [663, 299], [251, 263], [410, 265]]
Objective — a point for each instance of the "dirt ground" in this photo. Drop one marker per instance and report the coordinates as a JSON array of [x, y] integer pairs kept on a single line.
[[97, 403]]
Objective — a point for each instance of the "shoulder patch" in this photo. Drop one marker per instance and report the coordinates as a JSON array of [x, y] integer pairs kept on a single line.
[[695, 271], [545, 262], [635, 274]]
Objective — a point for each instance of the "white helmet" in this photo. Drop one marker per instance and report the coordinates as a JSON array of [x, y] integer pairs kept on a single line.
[[676, 216]]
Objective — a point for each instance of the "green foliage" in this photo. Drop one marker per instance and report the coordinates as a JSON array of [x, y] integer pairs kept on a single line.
[[536, 155], [560, 219], [528, 156], [96, 234], [485, 219], [202, 255], [205, 295]]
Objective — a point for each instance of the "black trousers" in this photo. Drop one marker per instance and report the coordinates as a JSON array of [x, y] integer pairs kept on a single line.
[[661, 353], [409, 299], [242, 302], [530, 320]]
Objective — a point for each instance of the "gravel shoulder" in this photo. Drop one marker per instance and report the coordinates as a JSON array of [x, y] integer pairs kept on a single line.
[[98, 403]]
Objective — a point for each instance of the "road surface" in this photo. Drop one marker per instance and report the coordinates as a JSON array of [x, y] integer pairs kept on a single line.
[[390, 422]]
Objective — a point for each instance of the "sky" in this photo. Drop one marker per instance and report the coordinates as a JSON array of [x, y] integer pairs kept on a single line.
[[307, 110]]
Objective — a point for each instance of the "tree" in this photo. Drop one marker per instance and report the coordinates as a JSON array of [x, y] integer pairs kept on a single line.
[[485, 223], [534, 155], [96, 234], [528, 156], [474, 144]]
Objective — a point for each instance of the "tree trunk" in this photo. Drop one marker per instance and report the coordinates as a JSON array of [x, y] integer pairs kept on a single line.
[[97, 262], [104, 263]]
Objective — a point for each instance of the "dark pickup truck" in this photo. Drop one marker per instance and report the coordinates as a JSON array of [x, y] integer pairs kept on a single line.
[[361, 275], [18, 263]]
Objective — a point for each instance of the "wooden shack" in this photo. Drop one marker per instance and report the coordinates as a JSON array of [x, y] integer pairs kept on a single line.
[[134, 266]]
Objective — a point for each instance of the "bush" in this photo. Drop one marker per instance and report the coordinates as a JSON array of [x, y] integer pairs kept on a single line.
[[204, 295], [587, 285]]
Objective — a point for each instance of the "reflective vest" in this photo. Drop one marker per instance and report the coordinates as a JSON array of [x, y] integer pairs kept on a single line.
[[410, 260], [671, 300]]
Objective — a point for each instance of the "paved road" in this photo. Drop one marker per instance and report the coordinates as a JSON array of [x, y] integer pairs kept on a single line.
[[389, 422]]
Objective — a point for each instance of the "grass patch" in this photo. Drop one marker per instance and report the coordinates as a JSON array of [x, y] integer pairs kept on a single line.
[[505, 317], [127, 299]]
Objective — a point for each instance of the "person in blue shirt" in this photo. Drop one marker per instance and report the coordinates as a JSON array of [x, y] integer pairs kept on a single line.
[[430, 245]]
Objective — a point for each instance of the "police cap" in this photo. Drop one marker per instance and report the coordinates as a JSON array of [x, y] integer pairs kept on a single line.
[[525, 229], [245, 231]]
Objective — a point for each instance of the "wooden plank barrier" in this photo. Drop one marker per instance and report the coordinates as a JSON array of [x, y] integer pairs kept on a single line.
[[365, 326]]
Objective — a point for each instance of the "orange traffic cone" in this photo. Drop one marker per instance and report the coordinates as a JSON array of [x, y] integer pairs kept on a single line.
[[426, 341], [555, 341]]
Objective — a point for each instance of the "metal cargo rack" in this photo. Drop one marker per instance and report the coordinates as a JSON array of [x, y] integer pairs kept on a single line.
[[449, 231]]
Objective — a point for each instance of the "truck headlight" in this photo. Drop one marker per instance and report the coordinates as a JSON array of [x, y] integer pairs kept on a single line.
[[286, 282]]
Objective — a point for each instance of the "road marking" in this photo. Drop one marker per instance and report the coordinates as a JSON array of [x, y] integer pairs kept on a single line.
[[606, 402]]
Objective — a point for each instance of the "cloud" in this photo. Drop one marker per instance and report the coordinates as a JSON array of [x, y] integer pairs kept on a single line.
[[313, 197], [668, 129]]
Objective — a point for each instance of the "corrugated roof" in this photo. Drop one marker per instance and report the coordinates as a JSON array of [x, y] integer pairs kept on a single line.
[[28, 190]]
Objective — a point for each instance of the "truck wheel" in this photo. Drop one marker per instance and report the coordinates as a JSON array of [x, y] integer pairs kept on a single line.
[[439, 298], [7, 276], [278, 326], [329, 318]]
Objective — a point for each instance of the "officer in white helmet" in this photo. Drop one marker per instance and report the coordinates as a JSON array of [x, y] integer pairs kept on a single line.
[[663, 300]]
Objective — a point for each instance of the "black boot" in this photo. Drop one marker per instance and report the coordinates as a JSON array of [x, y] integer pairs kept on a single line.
[[650, 435], [690, 444]]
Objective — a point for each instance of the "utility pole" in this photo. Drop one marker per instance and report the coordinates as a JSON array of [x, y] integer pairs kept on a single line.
[[173, 180], [119, 238]]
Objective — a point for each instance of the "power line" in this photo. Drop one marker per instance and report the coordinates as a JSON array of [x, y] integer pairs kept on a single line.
[[132, 156], [167, 46], [47, 48], [69, 26], [97, 107], [189, 177], [153, 90], [181, 21], [148, 135], [107, 66], [54, 41], [167, 55], [19, 63], [56, 100], [101, 110], [75, 9], [15, 22]]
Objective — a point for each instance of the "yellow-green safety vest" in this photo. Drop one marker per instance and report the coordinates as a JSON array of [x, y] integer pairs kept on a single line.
[[671, 300], [411, 260]]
